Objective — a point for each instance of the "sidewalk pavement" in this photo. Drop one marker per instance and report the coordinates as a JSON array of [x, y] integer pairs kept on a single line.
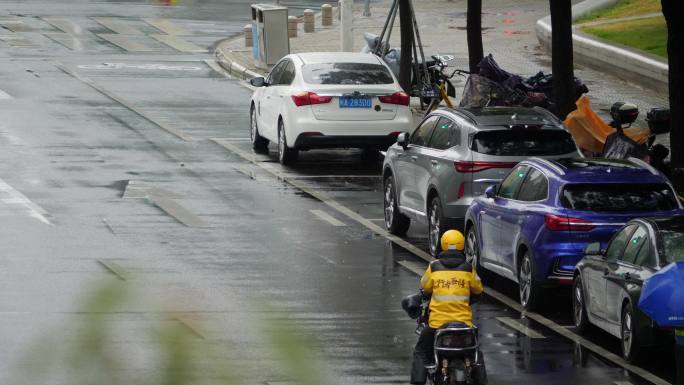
[[508, 33]]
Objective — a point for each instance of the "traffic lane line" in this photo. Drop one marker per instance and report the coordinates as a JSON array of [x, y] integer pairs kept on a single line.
[[517, 326], [322, 215], [179, 44], [563, 331], [128, 44], [117, 26], [14, 197], [125, 104], [167, 26]]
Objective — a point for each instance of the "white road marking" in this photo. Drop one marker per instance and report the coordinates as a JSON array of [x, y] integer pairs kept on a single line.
[[73, 42], [174, 209], [327, 217], [66, 25], [128, 44], [121, 101], [167, 26], [179, 44], [564, 332], [516, 325], [117, 26], [14, 197], [15, 25], [147, 66], [5, 95]]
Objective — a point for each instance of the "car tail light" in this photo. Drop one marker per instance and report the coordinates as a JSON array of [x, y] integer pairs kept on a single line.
[[558, 223], [308, 98], [401, 98], [465, 166]]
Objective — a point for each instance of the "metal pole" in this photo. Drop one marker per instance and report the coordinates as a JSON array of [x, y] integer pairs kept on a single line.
[[679, 356], [366, 9], [346, 20]]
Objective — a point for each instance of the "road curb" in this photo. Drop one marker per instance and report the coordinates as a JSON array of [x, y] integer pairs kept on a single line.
[[232, 66], [629, 64]]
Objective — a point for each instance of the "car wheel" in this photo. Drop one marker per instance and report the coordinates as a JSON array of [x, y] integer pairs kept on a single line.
[[472, 250], [436, 226], [395, 222], [530, 292], [631, 347], [258, 142], [579, 307], [286, 155]]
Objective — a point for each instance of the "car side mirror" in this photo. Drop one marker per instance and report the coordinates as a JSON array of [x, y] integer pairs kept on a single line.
[[594, 249], [490, 192], [402, 140], [258, 82]]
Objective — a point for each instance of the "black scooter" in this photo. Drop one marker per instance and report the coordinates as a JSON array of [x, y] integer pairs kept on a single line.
[[458, 360]]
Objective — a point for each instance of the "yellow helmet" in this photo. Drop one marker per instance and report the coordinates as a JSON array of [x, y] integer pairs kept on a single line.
[[453, 240]]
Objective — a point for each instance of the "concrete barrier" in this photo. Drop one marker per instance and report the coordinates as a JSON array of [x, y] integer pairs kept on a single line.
[[248, 35], [629, 64], [309, 21], [326, 15], [292, 25]]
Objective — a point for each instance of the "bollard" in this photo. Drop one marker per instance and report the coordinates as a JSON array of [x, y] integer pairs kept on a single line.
[[248, 35], [326, 15], [366, 9], [292, 22], [346, 20], [309, 20]]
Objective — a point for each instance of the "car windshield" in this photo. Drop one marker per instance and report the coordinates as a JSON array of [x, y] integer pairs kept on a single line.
[[346, 73], [674, 245], [616, 197], [523, 142]]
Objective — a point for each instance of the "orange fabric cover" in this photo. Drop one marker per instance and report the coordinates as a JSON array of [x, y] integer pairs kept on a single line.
[[590, 131]]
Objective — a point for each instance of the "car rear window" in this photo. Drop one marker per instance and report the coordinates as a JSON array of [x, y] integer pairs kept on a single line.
[[346, 73], [523, 142], [674, 245], [617, 197]]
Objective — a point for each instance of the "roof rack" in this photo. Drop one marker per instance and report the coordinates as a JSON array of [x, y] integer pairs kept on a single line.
[[465, 114], [550, 164], [641, 163]]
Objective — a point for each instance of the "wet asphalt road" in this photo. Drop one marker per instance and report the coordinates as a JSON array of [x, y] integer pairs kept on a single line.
[[141, 169]]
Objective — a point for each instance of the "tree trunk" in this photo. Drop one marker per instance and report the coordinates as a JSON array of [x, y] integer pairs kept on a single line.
[[672, 10], [406, 60], [474, 31], [561, 57]]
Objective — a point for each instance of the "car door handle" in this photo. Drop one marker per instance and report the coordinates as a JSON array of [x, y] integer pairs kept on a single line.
[[434, 162]]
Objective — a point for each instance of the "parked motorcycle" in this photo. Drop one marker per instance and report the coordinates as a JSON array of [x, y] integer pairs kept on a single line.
[[457, 359]]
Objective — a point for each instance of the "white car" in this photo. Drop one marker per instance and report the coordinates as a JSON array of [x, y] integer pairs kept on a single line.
[[328, 100]]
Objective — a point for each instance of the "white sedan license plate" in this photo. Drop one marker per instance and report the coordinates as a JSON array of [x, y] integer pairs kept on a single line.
[[352, 102]]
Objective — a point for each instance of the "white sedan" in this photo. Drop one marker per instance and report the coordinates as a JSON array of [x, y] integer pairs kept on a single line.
[[328, 100]]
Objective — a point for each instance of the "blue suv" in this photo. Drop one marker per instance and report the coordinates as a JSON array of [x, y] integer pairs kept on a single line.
[[533, 227]]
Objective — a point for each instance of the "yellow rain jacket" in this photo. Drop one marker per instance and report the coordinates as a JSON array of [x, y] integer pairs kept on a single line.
[[451, 280]]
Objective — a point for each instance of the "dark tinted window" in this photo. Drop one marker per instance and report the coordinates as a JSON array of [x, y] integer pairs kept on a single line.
[[274, 76], [445, 133], [523, 142], [421, 136], [535, 187], [643, 257], [639, 238], [288, 74], [346, 73], [618, 197], [674, 246], [510, 185], [618, 243]]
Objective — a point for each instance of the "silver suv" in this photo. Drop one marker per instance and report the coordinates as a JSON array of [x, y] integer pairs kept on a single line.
[[432, 175]]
